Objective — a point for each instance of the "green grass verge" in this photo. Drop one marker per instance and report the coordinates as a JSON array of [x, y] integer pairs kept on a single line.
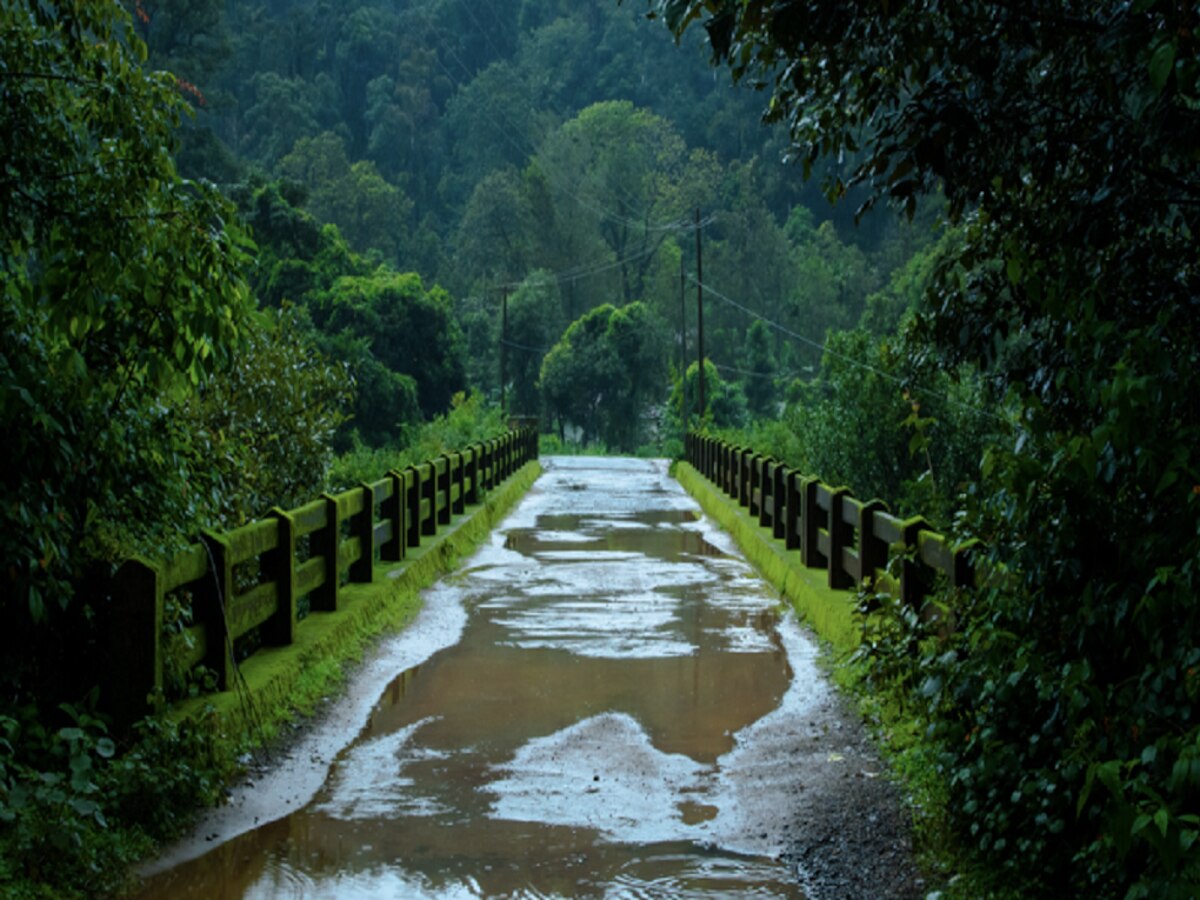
[[284, 683], [829, 612]]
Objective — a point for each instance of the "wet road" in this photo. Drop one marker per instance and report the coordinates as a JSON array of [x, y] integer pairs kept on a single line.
[[602, 702]]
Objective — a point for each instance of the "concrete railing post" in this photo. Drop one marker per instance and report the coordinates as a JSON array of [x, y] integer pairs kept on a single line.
[[214, 599], [279, 566], [135, 670]]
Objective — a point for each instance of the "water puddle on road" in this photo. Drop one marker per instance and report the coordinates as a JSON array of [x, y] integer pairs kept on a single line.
[[592, 733]]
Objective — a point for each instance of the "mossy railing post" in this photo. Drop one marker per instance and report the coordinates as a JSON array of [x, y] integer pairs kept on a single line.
[[725, 480], [326, 543], [445, 476], [810, 550], [742, 466], [473, 492], [279, 566], [362, 526], [793, 527], [914, 585], [779, 496], [214, 602], [458, 486], [485, 466], [754, 503], [765, 483], [412, 507], [134, 684], [394, 509], [839, 536], [736, 490], [427, 473], [872, 552]]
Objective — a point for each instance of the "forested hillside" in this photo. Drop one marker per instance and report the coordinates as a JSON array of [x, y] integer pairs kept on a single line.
[[555, 152]]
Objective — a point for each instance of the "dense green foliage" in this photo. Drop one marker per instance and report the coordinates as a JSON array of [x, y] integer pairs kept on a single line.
[[478, 143], [1063, 706], [600, 374]]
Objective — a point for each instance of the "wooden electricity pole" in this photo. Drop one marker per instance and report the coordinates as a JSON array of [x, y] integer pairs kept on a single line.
[[700, 310], [683, 344], [504, 350]]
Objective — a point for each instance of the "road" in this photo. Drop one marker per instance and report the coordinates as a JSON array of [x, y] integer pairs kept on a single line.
[[603, 701]]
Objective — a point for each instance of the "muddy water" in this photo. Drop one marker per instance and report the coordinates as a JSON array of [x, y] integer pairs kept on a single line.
[[610, 722]]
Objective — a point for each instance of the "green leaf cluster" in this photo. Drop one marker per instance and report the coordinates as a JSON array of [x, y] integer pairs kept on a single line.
[[603, 372]]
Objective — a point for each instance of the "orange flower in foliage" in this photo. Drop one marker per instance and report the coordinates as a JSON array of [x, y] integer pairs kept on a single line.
[[186, 87]]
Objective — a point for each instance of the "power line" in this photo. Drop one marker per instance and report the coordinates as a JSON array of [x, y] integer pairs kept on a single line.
[[747, 372], [517, 346], [824, 348]]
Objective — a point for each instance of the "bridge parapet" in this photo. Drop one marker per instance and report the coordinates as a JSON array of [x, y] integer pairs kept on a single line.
[[859, 543], [255, 576]]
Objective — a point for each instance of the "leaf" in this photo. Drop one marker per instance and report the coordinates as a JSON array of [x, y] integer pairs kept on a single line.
[[1161, 819], [1162, 61]]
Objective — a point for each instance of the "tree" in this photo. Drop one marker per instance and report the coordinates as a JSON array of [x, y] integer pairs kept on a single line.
[[608, 366], [724, 402], [626, 174], [494, 235], [122, 287], [758, 363], [410, 328], [371, 213], [534, 325], [1063, 136], [265, 428], [284, 111]]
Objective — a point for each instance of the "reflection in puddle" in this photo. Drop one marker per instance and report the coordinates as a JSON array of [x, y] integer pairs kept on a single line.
[[575, 742]]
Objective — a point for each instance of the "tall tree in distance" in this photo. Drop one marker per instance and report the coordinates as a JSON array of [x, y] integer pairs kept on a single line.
[[626, 174]]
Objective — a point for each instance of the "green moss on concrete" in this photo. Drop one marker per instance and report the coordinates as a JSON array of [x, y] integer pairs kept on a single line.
[[829, 612], [283, 682]]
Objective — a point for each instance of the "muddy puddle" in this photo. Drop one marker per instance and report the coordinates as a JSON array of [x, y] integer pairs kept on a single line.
[[615, 719]]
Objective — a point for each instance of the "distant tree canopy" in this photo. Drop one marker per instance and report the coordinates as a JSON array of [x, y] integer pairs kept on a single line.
[[1063, 134], [600, 374]]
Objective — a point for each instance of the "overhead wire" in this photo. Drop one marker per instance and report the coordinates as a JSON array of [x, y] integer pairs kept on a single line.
[[751, 374], [849, 360], [516, 346]]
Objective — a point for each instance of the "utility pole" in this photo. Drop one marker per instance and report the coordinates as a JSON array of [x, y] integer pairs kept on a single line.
[[683, 343], [504, 350], [700, 310]]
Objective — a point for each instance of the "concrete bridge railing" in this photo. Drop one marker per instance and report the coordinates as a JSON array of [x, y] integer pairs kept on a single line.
[[254, 576], [860, 544]]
